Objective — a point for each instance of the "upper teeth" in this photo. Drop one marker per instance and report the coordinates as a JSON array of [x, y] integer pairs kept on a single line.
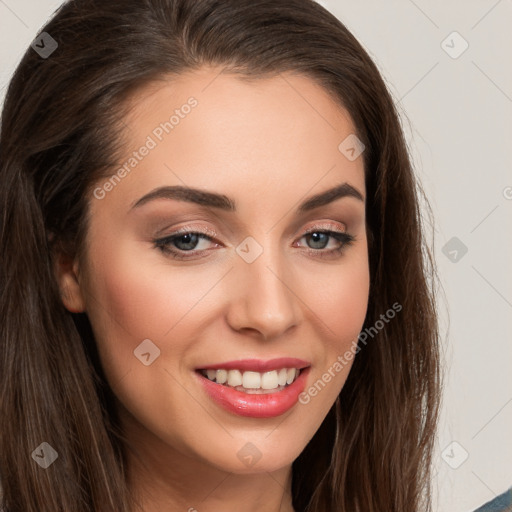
[[253, 380]]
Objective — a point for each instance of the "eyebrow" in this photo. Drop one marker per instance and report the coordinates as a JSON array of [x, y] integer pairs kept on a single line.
[[222, 202]]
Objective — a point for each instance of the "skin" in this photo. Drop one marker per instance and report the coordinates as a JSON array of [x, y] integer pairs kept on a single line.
[[267, 144]]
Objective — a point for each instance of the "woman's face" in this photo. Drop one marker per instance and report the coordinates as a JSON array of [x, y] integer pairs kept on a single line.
[[251, 296]]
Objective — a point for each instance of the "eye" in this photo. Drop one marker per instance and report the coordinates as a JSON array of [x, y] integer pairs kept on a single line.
[[182, 242], [196, 243], [318, 240]]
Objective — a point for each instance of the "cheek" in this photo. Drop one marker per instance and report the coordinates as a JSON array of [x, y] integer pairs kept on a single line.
[[135, 295], [340, 309], [128, 303], [347, 312], [343, 301]]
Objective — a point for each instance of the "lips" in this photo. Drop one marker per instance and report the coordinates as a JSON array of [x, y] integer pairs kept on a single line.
[[253, 387]]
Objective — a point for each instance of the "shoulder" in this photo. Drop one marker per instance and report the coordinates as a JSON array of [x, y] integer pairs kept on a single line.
[[502, 503]]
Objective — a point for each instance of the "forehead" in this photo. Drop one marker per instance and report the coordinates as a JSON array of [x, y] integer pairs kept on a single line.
[[209, 129]]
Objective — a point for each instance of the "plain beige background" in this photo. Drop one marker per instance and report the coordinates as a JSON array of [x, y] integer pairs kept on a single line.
[[454, 91]]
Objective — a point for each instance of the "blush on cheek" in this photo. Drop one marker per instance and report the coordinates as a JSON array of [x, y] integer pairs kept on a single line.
[[139, 301], [345, 312], [124, 289]]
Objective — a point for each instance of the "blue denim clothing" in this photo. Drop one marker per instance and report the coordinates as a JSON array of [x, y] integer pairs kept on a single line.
[[502, 503]]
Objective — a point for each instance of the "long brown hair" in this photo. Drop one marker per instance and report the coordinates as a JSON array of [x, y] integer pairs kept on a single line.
[[61, 130]]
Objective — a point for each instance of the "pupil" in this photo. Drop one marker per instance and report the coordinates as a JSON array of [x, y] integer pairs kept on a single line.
[[190, 241], [319, 238]]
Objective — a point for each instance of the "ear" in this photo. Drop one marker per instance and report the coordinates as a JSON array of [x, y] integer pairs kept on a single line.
[[66, 272]]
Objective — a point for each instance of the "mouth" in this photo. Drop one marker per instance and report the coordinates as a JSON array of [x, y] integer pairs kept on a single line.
[[255, 388]]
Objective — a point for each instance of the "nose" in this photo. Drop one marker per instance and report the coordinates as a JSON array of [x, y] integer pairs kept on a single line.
[[264, 300]]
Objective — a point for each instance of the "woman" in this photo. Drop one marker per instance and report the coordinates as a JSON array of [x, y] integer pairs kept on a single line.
[[216, 290]]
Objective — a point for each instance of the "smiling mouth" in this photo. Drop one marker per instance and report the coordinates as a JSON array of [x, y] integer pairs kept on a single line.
[[251, 382]]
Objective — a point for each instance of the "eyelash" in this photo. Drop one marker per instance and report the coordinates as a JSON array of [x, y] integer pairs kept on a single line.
[[164, 244]]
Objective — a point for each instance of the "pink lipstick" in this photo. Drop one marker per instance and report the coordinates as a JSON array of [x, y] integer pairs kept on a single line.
[[254, 387]]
